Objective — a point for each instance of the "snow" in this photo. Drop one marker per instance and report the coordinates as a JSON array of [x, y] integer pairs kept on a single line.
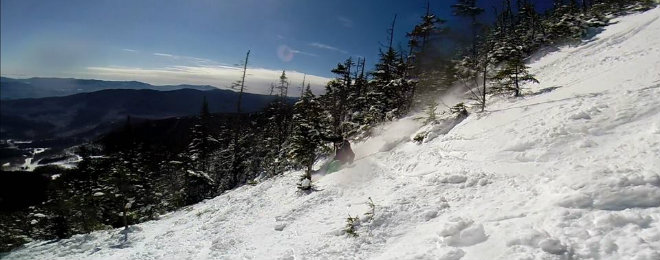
[[305, 184], [567, 173], [201, 174], [39, 150], [280, 227], [552, 246], [30, 164], [459, 232]]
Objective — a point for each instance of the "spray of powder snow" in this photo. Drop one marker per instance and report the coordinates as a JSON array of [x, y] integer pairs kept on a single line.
[[386, 137], [459, 92], [383, 138]]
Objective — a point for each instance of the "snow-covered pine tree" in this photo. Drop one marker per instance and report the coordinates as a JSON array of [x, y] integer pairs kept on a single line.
[[244, 159], [203, 142], [565, 23], [124, 177], [391, 85], [424, 32], [568, 22], [529, 29], [283, 86], [514, 73], [618, 7], [425, 61], [476, 59], [83, 191], [357, 102], [311, 123], [274, 130], [469, 8], [336, 95], [384, 93], [222, 158], [473, 72], [171, 185], [275, 134], [198, 165]]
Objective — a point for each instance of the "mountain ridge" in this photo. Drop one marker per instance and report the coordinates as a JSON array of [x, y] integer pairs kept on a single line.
[[39, 87], [58, 117]]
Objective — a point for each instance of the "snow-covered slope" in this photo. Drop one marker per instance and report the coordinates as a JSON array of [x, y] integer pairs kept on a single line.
[[572, 173]]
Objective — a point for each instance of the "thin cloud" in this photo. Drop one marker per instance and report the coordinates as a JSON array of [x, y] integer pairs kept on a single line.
[[258, 79], [345, 21], [194, 60], [164, 55], [304, 53], [286, 53], [130, 50], [327, 47]]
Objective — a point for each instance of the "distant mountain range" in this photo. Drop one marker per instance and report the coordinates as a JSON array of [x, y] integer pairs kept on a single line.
[[87, 115], [56, 87]]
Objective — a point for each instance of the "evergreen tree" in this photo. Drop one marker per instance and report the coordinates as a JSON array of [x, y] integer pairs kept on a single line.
[[275, 132], [310, 125], [283, 86], [274, 128], [336, 95], [514, 73], [198, 159], [424, 32], [203, 142], [391, 85], [529, 29], [425, 58], [357, 101], [223, 157], [469, 8]]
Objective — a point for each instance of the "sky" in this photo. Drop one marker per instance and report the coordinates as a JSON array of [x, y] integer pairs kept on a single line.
[[199, 41]]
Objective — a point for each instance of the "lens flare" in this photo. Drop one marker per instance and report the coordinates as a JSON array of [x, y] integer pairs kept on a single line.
[[284, 53]]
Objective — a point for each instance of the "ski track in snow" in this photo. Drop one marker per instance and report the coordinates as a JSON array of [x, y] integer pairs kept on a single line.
[[573, 173]]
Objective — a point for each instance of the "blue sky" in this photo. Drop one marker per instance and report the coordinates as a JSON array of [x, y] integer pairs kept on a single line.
[[197, 41]]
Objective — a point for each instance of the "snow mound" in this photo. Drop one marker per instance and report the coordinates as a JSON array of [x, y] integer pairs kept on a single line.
[[459, 232]]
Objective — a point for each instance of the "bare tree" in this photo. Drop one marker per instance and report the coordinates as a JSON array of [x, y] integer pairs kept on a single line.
[[240, 85]]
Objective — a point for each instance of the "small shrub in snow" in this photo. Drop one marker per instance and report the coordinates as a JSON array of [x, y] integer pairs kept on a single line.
[[419, 138], [372, 210], [352, 223], [459, 109]]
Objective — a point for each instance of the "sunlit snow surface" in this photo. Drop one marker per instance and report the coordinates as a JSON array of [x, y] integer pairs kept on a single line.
[[573, 173]]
